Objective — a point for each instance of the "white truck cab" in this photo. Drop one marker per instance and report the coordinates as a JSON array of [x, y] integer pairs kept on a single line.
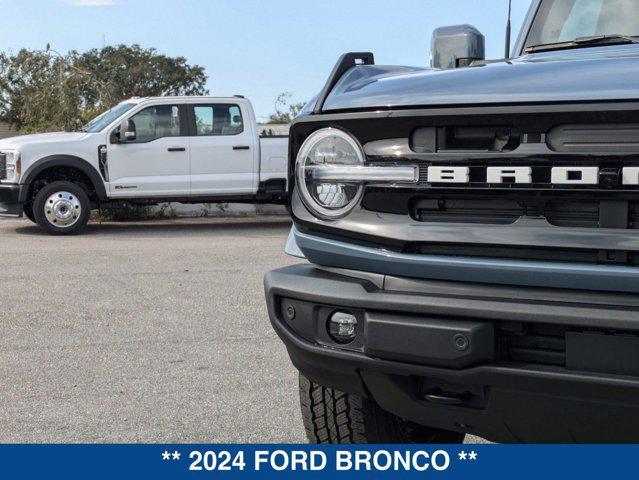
[[143, 151]]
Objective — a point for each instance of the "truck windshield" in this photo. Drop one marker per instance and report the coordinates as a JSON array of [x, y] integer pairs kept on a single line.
[[560, 22], [104, 119]]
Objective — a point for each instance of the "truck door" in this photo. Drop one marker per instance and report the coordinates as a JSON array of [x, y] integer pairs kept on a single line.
[[156, 162], [223, 150]]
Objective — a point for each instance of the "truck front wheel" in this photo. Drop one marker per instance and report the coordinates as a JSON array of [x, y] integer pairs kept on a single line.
[[62, 208], [331, 416]]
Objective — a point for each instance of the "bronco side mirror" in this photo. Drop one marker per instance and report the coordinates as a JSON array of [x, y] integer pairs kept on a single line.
[[456, 46]]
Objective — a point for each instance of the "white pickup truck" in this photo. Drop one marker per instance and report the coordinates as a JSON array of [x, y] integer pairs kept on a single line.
[[142, 152]]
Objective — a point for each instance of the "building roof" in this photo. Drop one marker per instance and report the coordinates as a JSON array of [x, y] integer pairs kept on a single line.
[[7, 130]]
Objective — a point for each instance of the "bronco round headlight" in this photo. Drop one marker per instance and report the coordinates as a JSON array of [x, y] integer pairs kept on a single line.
[[319, 167]]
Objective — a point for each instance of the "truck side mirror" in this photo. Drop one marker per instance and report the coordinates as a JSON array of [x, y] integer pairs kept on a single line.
[[127, 131], [456, 46]]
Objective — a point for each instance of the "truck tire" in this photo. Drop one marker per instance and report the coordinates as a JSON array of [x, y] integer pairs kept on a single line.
[[62, 208], [331, 416], [28, 211]]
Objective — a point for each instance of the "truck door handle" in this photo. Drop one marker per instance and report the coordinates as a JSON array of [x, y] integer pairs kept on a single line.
[[176, 149], [241, 147]]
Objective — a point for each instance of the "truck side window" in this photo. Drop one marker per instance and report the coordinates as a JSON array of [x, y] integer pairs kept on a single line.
[[219, 119], [156, 122]]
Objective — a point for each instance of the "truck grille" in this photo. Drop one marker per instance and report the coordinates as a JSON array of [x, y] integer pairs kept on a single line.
[[3, 166]]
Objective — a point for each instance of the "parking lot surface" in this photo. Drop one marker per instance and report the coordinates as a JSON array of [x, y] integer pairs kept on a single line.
[[144, 332]]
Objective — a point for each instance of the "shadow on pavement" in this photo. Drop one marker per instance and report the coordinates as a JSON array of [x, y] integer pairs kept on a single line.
[[169, 227]]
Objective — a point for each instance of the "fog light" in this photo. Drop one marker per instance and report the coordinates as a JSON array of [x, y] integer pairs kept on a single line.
[[342, 327]]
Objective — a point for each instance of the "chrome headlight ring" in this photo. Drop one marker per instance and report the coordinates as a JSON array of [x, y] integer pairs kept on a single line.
[[331, 173], [324, 151]]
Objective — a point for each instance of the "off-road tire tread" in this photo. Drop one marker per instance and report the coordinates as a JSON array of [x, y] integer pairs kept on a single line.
[[332, 416]]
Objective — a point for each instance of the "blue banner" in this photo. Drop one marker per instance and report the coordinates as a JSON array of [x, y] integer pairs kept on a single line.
[[317, 462]]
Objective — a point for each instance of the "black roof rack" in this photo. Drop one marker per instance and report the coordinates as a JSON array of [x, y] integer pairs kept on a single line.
[[345, 63]]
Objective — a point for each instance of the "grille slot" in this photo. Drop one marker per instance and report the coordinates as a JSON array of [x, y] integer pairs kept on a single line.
[[572, 214], [423, 174], [504, 210], [589, 214], [594, 138], [523, 253], [574, 348], [470, 210], [532, 343]]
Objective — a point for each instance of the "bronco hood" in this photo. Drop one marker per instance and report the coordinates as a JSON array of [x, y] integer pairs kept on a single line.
[[586, 74]]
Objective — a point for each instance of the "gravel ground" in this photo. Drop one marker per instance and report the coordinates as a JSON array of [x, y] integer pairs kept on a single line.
[[144, 332]]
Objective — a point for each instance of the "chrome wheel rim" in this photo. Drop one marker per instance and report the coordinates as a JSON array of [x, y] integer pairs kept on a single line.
[[62, 209]]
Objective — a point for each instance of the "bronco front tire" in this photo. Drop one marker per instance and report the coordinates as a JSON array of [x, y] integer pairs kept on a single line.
[[331, 416], [62, 208]]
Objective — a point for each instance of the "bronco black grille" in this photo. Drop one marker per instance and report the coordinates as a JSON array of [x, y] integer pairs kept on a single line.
[[496, 215]]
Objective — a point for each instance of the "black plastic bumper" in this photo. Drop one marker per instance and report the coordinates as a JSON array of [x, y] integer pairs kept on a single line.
[[472, 390], [10, 205]]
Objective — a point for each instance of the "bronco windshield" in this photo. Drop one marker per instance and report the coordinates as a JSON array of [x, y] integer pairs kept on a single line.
[[563, 21], [104, 119]]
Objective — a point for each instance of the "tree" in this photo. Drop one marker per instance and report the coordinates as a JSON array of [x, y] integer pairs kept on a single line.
[[132, 70], [285, 112], [37, 91], [44, 90]]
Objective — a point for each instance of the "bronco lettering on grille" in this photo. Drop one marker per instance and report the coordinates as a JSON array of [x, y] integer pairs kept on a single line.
[[523, 175]]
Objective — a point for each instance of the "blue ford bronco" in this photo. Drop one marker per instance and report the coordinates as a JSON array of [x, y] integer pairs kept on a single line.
[[471, 232]]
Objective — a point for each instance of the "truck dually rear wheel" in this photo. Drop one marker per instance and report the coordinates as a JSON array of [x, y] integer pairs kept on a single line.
[[62, 208], [331, 416]]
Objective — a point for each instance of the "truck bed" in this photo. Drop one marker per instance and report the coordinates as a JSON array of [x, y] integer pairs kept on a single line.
[[273, 158]]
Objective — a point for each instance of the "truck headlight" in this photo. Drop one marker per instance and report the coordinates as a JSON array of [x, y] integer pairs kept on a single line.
[[13, 165], [326, 153]]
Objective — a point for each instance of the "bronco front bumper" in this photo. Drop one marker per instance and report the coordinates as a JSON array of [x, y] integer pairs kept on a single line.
[[538, 365], [10, 205]]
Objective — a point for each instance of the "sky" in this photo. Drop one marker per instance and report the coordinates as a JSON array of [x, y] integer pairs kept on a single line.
[[256, 48]]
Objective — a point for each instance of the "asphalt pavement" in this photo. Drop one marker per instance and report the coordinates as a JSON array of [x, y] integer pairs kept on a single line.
[[144, 332]]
